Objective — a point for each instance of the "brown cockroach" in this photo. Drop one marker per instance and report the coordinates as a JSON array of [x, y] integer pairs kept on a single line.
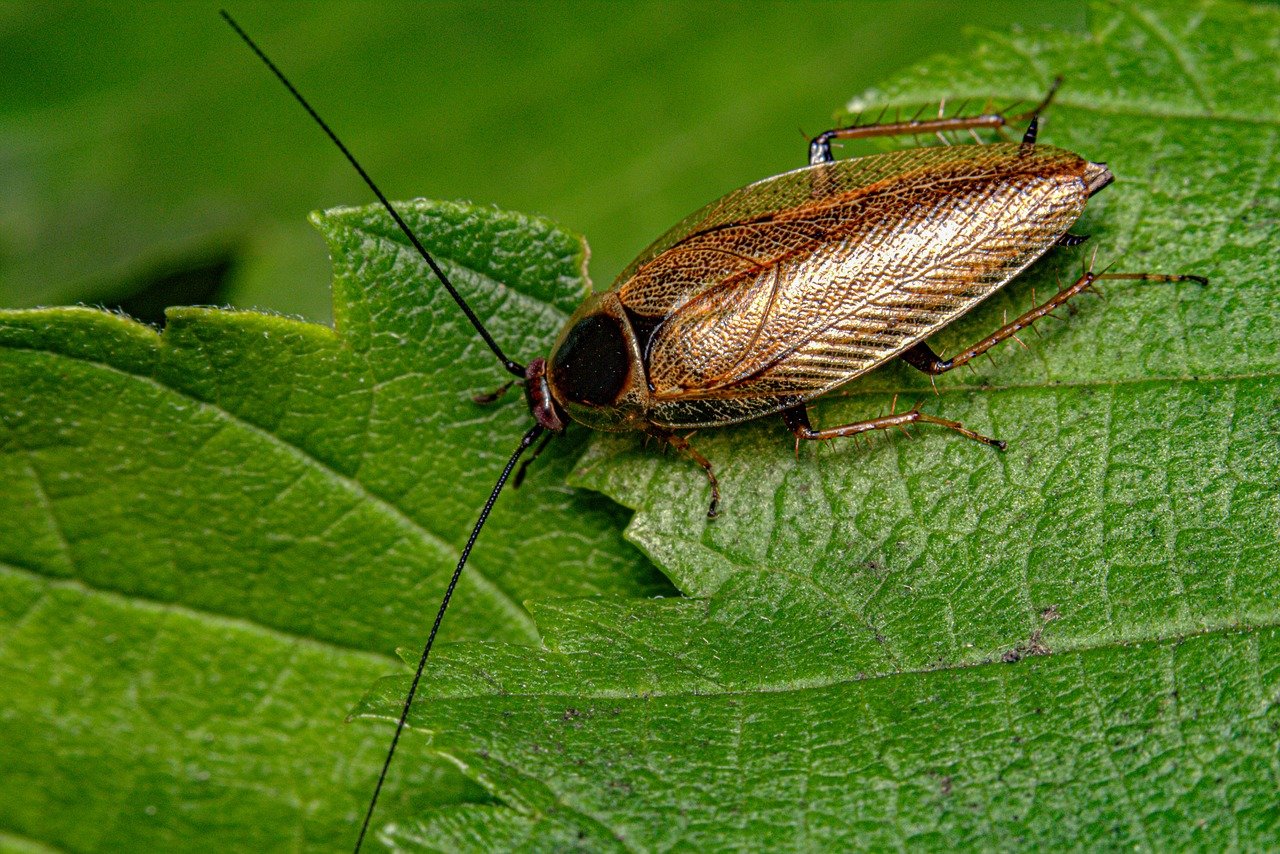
[[790, 287]]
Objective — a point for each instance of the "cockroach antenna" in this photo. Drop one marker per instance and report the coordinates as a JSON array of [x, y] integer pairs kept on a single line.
[[511, 365], [528, 439]]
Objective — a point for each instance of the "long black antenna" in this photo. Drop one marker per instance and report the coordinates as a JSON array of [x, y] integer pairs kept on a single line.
[[510, 364], [529, 438]]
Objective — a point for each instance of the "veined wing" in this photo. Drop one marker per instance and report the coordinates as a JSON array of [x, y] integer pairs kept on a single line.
[[764, 199], [869, 256]]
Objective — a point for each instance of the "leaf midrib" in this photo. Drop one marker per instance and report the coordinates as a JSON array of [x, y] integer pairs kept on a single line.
[[1219, 628], [79, 585]]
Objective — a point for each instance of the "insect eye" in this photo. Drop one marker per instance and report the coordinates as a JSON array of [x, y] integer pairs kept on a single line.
[[592, 365]]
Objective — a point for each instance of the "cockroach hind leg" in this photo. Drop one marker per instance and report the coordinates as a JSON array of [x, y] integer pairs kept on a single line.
[[920, 357], [797, 419], [1033, 130], [1044, 102], [1151, 277], [1070, 239], [956, 426], [820, 145]]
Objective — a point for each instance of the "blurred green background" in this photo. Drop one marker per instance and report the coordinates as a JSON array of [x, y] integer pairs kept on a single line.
[[147, 159]]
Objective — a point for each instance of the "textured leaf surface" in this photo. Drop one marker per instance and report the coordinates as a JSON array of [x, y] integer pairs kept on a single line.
[[207, 538], [924, 642], [637, 731], [207, 534]]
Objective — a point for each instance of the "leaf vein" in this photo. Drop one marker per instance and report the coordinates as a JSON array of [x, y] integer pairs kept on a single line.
[[137, 599], [1148, 22], [389, 510], [1224, 627]]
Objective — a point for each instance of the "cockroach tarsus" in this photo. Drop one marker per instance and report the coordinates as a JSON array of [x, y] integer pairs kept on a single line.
[[788, 288]]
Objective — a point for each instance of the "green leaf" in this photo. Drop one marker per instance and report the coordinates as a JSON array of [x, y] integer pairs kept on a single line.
[[638, 730], [210, 538], [926, 643], [213, 536], [135, 141]]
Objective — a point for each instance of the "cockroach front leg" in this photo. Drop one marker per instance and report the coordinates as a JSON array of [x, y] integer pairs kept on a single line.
[[797, 420], [682, 445], [537, 452], [820, 145], [488, 397], [922, 358]]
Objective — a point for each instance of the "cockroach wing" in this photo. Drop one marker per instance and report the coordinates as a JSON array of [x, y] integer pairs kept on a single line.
[[796, 284]]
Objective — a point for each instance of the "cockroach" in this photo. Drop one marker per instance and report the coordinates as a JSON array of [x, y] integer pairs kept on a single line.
[[790, 287]]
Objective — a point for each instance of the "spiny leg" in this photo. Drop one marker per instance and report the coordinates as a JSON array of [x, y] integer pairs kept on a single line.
[[797, 420], [1033, 127], [488, 397], [1070, 239], [681, 444], [922, 358], [820, 145]]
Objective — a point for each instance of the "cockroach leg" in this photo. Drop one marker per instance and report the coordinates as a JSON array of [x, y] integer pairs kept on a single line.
[[797, 420], [820, 145], [1033, 130], [681, 444], [1148, 277], [493, 397], [921, 357], [1070, 239], [524, 466]]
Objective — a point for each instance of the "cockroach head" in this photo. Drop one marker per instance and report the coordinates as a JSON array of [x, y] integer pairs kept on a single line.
[[544, 408]]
